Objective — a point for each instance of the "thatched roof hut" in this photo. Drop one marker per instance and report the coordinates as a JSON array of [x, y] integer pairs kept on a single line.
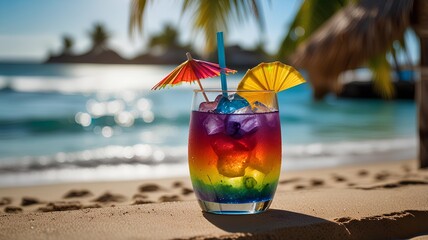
[[350, 38]]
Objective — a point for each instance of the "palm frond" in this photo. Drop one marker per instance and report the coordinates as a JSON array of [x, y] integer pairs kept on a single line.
[[213, 16], [136, 19], [381, 70], [311, 15], [252, 9], [208, 16]]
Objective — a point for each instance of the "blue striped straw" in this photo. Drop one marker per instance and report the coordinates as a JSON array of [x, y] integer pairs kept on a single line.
[[222, 62]]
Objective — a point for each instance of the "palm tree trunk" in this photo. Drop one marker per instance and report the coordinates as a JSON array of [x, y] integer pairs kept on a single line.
[[420, 24], [423, 104]]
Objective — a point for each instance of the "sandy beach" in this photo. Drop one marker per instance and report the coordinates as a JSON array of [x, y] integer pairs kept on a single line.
[[372, 201], [316, 113]]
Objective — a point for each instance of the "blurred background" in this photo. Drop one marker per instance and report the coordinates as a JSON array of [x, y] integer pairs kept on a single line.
[[75, 80]]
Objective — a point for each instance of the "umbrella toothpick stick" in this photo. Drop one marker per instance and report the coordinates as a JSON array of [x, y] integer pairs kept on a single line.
[[189, 58], [203, 92]]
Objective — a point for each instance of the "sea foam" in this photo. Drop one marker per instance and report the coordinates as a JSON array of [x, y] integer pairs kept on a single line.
[[143, 161]]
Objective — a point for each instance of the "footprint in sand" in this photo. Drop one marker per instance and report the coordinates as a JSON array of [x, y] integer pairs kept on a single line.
[[396, 185], [317, 182], [27, 201], [149, 188], [109, 197], [186, 191], [287, 181], [382, 176], [96, 205], [61, 206], [12, 209], [77, 193], [299, 187], [139, 201], [177, 184], [172, 198], [339, 178], [363, 173], [140, 196]]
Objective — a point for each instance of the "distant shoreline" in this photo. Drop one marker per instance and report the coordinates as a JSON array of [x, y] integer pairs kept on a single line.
[[27, 62], [236, 56]]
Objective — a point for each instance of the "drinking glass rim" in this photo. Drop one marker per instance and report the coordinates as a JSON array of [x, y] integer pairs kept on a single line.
[[231, 90]]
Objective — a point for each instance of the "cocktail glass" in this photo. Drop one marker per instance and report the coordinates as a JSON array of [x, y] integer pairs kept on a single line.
[[234, 150]]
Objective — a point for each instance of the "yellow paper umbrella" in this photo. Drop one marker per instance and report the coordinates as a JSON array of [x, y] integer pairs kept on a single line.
[[273, 76]]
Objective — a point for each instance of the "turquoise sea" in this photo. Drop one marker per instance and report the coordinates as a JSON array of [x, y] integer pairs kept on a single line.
[[89, 122]]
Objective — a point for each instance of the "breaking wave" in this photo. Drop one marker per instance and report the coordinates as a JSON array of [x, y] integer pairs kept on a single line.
[[174, 159]]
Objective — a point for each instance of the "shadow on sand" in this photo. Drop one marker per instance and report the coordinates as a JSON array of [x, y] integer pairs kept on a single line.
[[275, 223]]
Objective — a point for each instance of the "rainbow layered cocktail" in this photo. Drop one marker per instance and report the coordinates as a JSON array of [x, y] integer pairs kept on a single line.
[[235, 151], [235, 136]]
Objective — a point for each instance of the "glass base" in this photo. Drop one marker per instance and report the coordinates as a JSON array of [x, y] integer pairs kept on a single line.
[[234, 208]]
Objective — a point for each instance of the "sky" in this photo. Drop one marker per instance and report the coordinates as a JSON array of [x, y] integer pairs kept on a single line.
[[30, 30]]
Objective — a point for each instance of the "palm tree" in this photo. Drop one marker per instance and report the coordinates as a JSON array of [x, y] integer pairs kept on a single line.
[[67, 43], [99, 37], [420, 24], [209, 16], [166, 39]]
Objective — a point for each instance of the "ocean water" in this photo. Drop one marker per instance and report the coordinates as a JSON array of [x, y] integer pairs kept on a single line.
[[89, 122]]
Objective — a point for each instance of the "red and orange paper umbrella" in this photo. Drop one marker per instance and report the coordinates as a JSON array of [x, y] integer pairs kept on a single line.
[[190, 71]]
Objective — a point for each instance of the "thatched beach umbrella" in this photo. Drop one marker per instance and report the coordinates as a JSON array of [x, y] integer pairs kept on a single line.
[[361, 31], [349, 39]]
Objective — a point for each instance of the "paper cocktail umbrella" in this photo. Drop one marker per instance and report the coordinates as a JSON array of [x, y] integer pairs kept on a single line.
[[274, 76], [190, 71]]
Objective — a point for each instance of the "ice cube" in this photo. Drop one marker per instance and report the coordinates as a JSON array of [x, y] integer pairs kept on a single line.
[[260, 165], [218, 98], [230, 104], [232, 165], [214, 123], [260, 107], [238, 125], [232, 157], [244, 110], [209, 106]]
